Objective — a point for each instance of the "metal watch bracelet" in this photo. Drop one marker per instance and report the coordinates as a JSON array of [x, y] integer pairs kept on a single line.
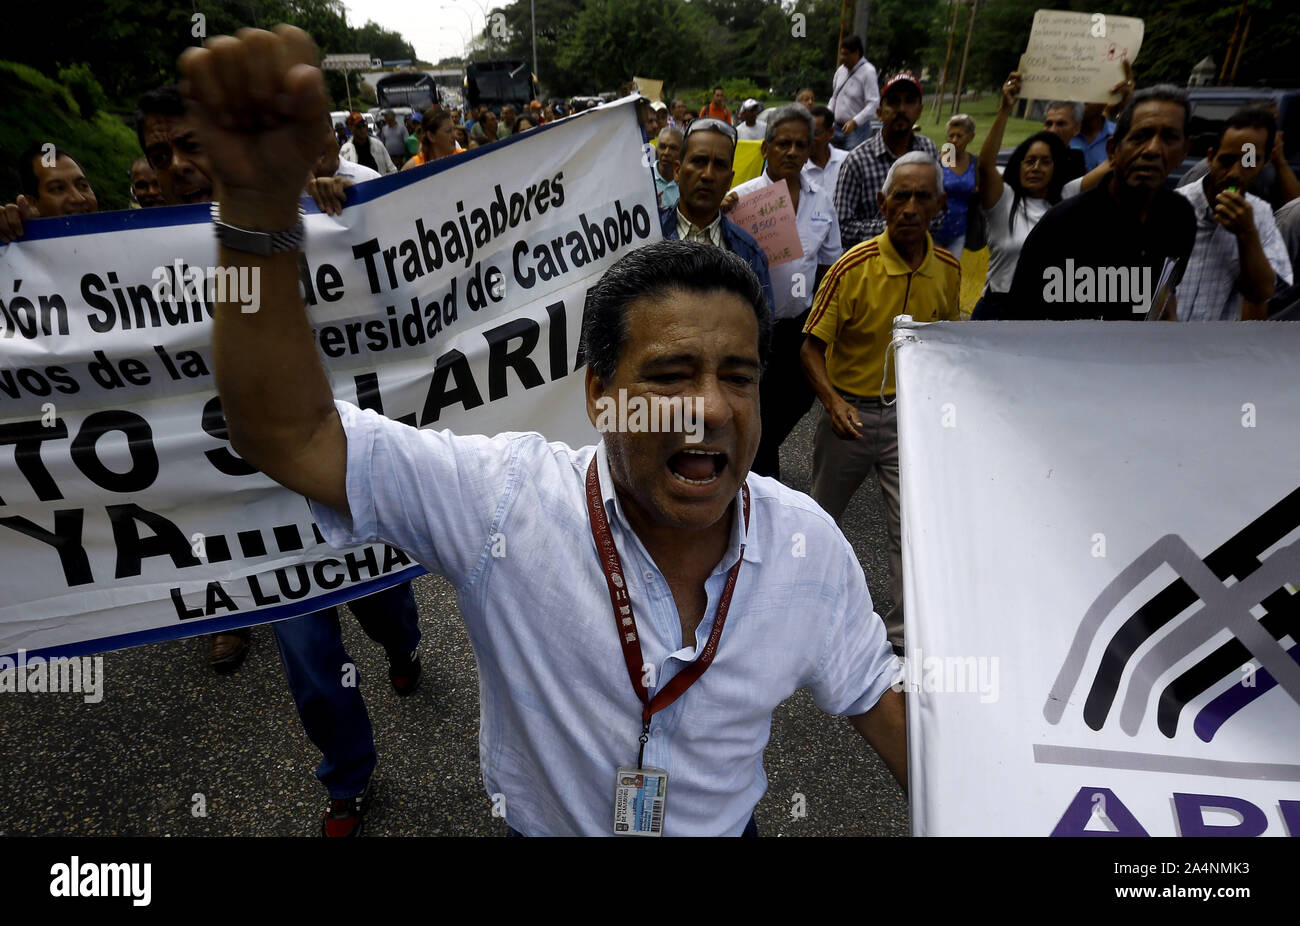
[[256, 242]]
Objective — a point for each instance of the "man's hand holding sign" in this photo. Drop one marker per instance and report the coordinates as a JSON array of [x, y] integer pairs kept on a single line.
[[682, 534]]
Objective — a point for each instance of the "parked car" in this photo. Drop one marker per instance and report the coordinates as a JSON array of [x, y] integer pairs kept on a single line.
[[341, 116], [1211, 107]]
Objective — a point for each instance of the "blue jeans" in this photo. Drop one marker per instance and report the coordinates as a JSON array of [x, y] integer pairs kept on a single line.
[[333, 714], [955, 245], [858, 136]]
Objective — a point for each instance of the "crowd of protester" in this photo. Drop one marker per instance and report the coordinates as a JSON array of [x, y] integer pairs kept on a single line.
[[883, 217]]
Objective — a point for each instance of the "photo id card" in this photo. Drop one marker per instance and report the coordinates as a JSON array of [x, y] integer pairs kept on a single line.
[[639, 796]]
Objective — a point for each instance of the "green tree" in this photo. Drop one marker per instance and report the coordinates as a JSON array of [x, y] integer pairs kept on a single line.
[[42, 110], [737, 37], [900, 31], [1179, 33], [798, 42], [378, 42], [132, 45], [555, 22], [612, 40]]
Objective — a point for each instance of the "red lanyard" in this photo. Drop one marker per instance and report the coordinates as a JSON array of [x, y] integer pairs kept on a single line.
[[625, 621]]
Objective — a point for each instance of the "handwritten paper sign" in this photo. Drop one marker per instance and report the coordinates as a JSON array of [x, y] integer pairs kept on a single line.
[[768, 215], [652, 90], [1077, 56]]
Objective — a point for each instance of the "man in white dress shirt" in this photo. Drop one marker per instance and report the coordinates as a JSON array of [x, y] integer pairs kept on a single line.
[[597, 667], [824, 160], [856, 95], [786, 395]]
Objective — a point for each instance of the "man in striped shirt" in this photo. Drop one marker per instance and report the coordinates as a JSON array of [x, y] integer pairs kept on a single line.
[[863, 171], [898, 272]]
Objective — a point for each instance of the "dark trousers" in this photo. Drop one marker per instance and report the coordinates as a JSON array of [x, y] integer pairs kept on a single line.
[[992, 307], [840, 466], [332, 712], [785, 395]]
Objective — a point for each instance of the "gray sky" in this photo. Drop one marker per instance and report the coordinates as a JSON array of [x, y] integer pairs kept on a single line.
[[435, 32]]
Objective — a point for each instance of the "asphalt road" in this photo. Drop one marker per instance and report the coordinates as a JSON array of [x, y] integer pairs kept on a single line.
[[170, 737]]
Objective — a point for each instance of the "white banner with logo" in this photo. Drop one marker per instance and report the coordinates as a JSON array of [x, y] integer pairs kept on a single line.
[[448, 296], [1101, 548]]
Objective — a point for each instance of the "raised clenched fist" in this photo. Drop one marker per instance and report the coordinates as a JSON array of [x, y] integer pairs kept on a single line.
[[259, 101]]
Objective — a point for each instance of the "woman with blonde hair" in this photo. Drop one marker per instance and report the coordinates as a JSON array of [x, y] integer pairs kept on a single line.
[[959, 181]]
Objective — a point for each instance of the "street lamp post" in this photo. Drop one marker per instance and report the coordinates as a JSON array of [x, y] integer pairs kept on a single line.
[[464, 53], [467, 17], [486, 30]]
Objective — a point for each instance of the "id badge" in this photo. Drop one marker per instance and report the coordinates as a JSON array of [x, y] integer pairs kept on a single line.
[[639, 796]]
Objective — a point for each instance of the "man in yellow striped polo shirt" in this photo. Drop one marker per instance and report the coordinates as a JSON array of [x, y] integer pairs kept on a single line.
[[899, 272]]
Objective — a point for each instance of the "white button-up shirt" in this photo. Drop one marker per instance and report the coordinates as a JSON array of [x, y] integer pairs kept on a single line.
[[857, 93], [819, 232], [1208, 291], [505, 520], [357, 173], [826, 177], [348, 152]]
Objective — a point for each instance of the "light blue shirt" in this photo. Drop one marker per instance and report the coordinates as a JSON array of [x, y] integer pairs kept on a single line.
[[667, 190], [1094, 152], [818, 225], [505, 520]]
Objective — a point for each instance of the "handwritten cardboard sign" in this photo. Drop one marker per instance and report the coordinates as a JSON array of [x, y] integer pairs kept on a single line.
[[768, 215], [652, 90], [1077, 56]]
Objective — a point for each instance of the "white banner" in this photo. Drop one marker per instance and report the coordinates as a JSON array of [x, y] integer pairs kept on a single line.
[[449, 296], [1101, 549]]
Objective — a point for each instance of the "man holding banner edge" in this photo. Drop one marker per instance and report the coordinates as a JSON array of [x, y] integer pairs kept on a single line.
[[254, 95]]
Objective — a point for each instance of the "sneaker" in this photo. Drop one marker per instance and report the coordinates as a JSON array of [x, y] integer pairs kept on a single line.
[[345, 815], [405, 674]]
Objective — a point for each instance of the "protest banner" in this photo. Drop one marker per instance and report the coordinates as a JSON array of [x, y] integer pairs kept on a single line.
[[1101, 560], [768, 215], [447, 296], [748, 161], [1078, 56]]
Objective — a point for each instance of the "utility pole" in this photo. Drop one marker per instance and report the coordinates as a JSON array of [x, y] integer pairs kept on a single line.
[[1232, 42], [955, 8], [861, 20], [1241, 46], [532, 8], [961, 74], [844, 7]]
